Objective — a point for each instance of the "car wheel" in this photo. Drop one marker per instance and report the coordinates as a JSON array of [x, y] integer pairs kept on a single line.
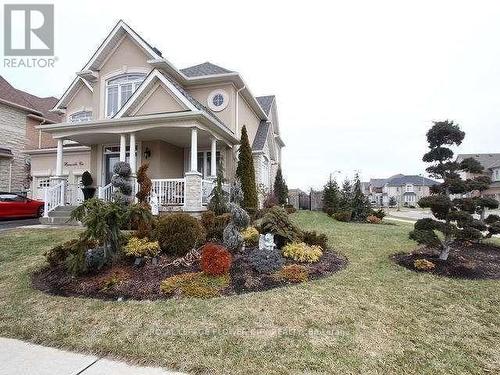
[[40, 211]]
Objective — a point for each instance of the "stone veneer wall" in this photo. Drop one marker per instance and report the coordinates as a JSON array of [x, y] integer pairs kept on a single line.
[[193, 192], [12, 136]]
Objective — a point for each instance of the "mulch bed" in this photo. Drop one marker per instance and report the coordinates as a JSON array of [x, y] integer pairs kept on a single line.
[[143, 283], [465, 261]]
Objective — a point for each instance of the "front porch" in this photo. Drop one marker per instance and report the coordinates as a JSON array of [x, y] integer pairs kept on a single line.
[[183, 162]]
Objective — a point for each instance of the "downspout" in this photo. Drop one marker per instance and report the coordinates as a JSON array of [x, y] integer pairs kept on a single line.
[[236, 125], [10, 175], [238, 109]]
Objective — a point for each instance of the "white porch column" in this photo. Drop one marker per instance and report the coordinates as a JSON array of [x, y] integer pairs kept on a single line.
[[59, 159], [132, 158], [194, 150], [213, 158], [123, 147]]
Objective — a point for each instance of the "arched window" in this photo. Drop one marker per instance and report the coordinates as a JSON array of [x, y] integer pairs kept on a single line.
[[120, 89], [81, 116]]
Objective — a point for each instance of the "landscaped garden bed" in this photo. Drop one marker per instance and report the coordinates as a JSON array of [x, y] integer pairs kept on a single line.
[[466, 261], [177, 255], [126, 281]]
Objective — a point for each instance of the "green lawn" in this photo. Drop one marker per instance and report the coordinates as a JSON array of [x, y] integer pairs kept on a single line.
[[373, 317]]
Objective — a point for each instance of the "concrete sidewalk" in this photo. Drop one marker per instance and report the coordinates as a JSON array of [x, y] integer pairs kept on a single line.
[[22, 358]]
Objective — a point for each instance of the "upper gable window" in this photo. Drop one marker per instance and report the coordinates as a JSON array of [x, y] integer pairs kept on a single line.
[[119, 90], [81, 116]]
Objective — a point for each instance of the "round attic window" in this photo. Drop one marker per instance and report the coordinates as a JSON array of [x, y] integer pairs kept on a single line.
[[217, 100]]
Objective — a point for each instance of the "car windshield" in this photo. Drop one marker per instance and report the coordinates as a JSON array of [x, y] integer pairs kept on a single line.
[[11, 198]]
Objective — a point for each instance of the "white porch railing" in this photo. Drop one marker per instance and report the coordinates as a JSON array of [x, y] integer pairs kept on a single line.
[[53, 197], [206, 189], [170, 192], [105, 192], [74, 194]]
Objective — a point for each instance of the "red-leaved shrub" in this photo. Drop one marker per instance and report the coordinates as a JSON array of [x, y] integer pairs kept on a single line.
[[215, 259]]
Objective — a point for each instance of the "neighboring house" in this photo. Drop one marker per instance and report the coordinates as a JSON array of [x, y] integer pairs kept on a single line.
[[129, 103], [405, 189], [20, 114], [491, 165]]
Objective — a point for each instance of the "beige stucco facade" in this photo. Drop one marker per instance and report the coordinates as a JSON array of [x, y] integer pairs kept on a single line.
[[168, 117]]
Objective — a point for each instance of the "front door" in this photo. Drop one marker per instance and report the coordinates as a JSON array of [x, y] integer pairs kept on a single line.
[[111, 160]]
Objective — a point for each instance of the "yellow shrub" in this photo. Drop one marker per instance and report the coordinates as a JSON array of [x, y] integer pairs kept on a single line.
[[424, 265], [301, 252], [250, 236], [141, 247], [294, 273], [194, 284]]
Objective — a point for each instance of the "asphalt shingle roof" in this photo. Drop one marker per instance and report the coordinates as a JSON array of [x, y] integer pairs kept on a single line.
[[205, 69], [401, 180], [260, 136], [414, 180], [265, 103], [486, 160], [19, 97]]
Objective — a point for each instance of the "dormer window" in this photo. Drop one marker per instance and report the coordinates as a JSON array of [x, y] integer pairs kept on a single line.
[[119, 90], [81, 116]]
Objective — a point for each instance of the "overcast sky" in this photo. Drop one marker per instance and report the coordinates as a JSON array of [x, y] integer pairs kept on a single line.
[[358, 83]]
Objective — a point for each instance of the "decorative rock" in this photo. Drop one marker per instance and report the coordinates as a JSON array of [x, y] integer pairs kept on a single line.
[[139, 262], [266, 242]]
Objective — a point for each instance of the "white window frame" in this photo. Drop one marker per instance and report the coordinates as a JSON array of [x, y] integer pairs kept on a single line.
[[88, 118], [109, 84]]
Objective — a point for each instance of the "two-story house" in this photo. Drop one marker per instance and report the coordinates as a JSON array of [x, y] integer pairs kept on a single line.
[[20, 114], [129, 103], [405, 190], [491, 165]]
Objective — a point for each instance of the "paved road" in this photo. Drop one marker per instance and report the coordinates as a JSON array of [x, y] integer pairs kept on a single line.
[[10, 224]]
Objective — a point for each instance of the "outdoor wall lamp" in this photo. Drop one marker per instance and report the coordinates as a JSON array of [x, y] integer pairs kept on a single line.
[[147, 153]]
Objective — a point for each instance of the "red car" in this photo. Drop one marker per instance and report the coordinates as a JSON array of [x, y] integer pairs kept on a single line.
[[15, 205]]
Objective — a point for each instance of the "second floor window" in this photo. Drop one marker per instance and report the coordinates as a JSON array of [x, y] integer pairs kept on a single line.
[[119, 90], [81, 116]]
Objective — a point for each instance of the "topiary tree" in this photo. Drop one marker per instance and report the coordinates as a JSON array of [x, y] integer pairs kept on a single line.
[[88, 190], [331, 197], [360, 205], [245, 172], [144, 183], [280, 188], [121, 182], [454, 216]]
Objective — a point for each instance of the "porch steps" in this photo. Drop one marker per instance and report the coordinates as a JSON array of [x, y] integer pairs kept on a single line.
[[60, 216]]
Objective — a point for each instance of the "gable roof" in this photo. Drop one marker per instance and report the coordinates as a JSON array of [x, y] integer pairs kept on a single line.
[[204, 69], [486, 160], [106, 47], [39, 106], [261, 136], [266, 102], [70, 92], [187, 99]]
